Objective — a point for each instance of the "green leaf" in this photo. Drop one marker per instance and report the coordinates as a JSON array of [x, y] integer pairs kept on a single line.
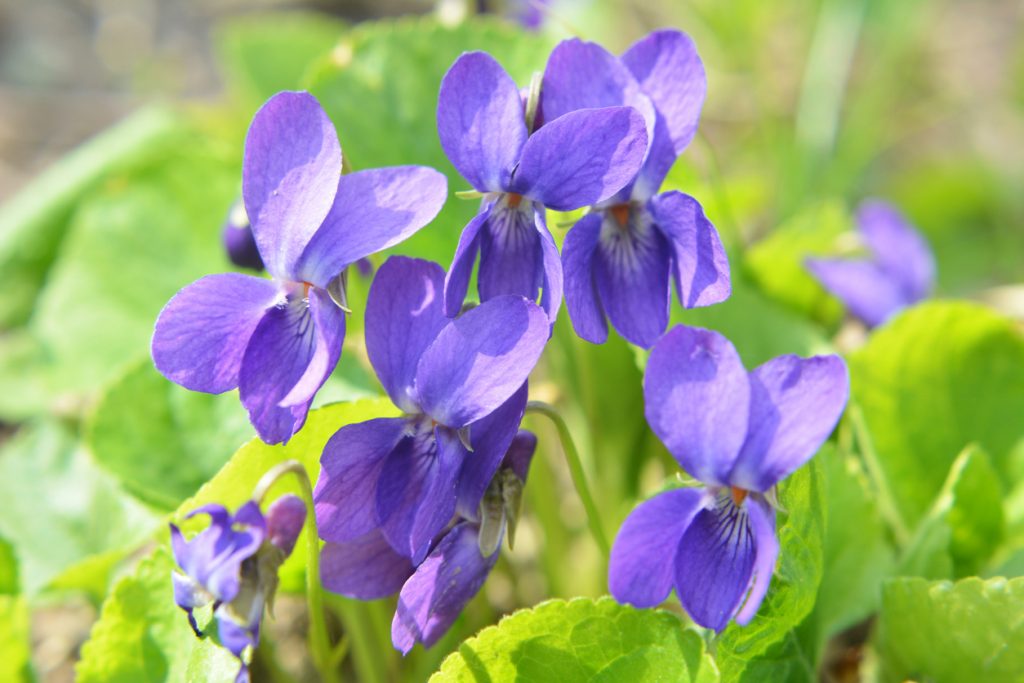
[[59, 508], [269, 53], [235, 482], [184, 439], [582, 640], [380, 84], [936, 378], [33, 223], [15, 663], [970, 630], [795, 583], [142, 636], [132, 245], [965, 524], [8, 569], [777, 262], [858, 553]]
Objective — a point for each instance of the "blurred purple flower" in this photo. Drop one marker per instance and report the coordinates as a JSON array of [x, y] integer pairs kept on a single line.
[[575, 160], [233, 564], [619, 259], [278, 340], [899, 272], [739, 433], [393, 484], [239, 242]]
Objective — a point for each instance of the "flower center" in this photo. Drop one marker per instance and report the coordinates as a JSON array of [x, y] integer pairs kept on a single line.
[[514, 199], [738, 494], [621, 214]]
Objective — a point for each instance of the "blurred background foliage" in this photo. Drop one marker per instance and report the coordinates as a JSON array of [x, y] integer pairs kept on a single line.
[[121, 129]]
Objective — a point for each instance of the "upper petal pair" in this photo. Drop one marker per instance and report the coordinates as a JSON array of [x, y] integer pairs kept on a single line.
[[661, 76], [569, 163], [730, 428], [310, 221], [457, 371]]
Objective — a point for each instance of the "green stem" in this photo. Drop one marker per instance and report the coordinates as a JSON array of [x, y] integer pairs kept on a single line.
[[366, 659], [579, 480], [319, 643], [886, 500]]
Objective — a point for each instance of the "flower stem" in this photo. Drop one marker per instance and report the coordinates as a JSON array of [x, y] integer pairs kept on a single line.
[[886, 501], [579, 480], [319, 643]]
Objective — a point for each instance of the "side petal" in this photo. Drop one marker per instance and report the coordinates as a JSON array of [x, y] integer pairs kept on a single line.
[[697, 398], [201, 334], [700, 264], [346, 490], [715, 563], [511, 260], [480, 121], [631, 270], [404, 314], [366, 568], [416, 492], [329, 330], [868, 291], [670, 72], [456, 282], [289, 177], [276, 359], [898, 247], [795, 404], [490, 437], [435, 595], [581, 297], [641, 568], [583, 75], [582, 158], [762, 522], [480, 359], [551, 263], [372, 211]]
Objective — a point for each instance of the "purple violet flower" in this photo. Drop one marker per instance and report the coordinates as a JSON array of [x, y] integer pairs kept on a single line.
[[575, 160], [239, 242], [278, 340], [233, 564], [619, 259], [739, 433], [899, 272], [396, 482]]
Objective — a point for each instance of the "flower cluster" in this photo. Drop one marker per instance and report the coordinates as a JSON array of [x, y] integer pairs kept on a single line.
[[233, 565], [418, 504]]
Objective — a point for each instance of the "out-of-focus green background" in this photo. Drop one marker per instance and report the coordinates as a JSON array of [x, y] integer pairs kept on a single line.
[[811, 107]]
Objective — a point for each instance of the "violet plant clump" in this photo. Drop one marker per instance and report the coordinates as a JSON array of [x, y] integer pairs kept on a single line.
[[232, 564], [898, 272], [739, 433], [620, 259], [578, 159], [391, 485], [278, 340]]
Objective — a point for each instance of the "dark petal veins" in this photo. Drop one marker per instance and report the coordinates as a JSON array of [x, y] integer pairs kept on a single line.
[[511, 260], [715, 563], [631, 270]]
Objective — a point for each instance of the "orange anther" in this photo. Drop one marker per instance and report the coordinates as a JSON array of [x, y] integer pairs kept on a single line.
[[738, 494], [514, 199], [621, 214]]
